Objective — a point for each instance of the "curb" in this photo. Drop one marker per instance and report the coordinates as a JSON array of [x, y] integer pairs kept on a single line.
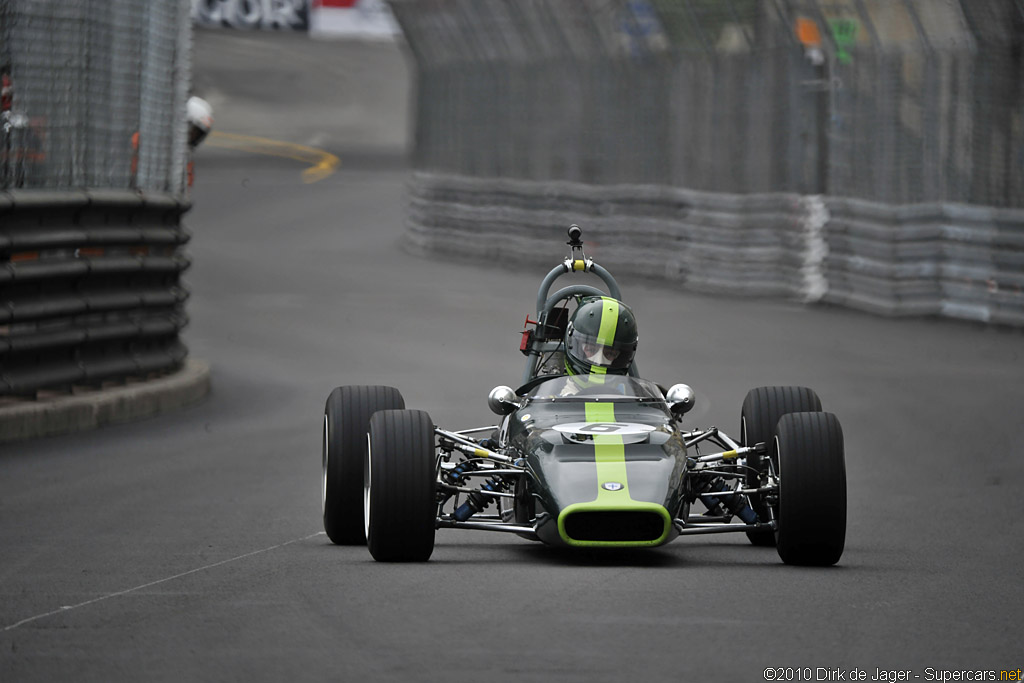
[[84, 412]]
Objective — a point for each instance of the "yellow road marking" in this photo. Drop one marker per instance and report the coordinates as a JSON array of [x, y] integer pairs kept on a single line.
[[322, 163]]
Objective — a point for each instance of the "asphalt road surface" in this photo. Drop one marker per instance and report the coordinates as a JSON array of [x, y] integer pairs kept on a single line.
[[190, 546]]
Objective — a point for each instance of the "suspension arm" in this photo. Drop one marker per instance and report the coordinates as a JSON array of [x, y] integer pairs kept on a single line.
[[463, 489], [714, 434], [687, 529], [464, 445], [447, 522]]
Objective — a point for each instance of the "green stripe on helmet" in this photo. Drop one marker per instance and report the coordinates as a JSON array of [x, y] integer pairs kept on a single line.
[[609, 321]]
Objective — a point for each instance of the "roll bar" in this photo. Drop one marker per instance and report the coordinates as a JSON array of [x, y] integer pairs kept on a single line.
[[574, 266], [577, 262], [546, 302]]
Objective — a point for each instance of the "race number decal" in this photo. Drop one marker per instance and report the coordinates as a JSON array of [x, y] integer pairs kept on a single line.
[[630, 432]]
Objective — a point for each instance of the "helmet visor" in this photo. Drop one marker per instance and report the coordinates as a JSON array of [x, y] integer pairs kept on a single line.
[[586, 348]]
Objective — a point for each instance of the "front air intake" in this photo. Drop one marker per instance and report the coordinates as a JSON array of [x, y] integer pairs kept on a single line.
[[615, 526]]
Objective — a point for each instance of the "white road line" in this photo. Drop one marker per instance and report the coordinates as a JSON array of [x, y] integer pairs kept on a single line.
[[68, 608]]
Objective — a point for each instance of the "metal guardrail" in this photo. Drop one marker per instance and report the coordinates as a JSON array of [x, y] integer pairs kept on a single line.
[[90, 287], [938, 259], [741, 244]]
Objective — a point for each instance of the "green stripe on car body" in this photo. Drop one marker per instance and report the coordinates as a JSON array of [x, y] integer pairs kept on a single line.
[[610, 461], [600, 412], [609, 455]]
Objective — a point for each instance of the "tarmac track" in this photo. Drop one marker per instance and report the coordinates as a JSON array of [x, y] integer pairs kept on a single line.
[[189, 547]]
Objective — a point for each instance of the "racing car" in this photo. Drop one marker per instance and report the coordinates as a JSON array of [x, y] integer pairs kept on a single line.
[[590, 459]]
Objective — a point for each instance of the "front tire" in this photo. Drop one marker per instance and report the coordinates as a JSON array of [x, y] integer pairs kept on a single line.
[[761, 411], [346, 422], [399, 486], [812, 489]]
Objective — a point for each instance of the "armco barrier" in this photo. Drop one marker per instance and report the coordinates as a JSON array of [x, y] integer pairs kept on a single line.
[[945, 260], [949, 260], [741, 244], [90, 287]]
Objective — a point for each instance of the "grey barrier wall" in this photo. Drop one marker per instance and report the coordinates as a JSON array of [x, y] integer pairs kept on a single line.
[[92, 190], [840, 150], [949, 260], [91, 287]]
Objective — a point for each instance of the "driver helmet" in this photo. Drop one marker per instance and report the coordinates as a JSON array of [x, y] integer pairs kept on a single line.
[[199, 115], [600, 338]]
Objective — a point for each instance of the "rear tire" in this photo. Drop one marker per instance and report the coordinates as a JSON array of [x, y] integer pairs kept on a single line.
[[812, 489], [761, 411], [346, 422], [399, 486]]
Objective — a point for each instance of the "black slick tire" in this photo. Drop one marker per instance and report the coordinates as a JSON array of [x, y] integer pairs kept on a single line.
[[399, 486], [346, 422], [812, 489], [761, 411]]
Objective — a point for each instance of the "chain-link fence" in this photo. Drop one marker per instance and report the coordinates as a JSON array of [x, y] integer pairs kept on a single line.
[[926, 101], [898, 101], [846, 151], [92, 189], [94, 94]]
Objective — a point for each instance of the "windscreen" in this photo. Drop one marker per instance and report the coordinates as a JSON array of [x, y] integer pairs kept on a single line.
[[591, 387]]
